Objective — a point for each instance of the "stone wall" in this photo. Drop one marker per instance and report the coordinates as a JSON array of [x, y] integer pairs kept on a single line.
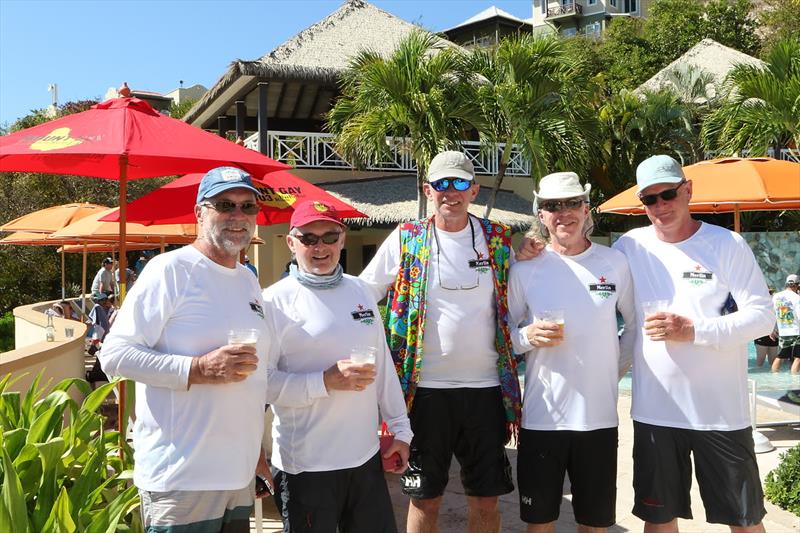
[[777, 253]]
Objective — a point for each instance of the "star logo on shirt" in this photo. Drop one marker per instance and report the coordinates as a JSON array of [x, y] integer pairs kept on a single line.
[[360, 307], [698, 268], [602, 279]]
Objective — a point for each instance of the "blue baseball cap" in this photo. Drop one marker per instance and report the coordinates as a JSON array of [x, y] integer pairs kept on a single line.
[[658, 169], [221, 179]]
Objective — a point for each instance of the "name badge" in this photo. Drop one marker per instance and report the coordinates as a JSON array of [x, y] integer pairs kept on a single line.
[[479, 263], [361, 315], [698, 275], [604, 287]]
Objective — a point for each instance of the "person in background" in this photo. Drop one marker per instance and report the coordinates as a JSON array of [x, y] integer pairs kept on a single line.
[[787, 312], [690, 396], [326, 394], [566, 302], [767, 346], [140, 263], [250, 266], [104, 279], [199, 399]]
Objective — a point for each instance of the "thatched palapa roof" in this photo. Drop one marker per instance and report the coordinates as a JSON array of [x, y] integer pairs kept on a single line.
[[320, 52], [707, 56], [391, 200]]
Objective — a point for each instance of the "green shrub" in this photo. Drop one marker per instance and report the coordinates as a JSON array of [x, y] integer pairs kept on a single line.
[[7, 332], [60, 470], [783, 483]]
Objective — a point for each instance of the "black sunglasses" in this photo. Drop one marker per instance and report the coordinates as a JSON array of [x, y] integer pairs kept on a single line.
[[669, 194], [553, 206], [226, 206], [310, 239], [459, 184]]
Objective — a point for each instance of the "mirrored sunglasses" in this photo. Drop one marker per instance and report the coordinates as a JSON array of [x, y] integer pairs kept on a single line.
[[554, 206], [669, 194], [226, 206], [459, 184], [310, 239]]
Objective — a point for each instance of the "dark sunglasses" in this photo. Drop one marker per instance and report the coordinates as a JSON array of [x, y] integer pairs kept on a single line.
[[310, 239], [554, 206], [226, 206], [669, 194], [459, 184]]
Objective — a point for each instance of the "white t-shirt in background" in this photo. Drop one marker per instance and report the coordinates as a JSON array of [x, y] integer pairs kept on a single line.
[[787, 311]]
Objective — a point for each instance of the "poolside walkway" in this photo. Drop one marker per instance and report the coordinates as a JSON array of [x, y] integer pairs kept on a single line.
[[453, 517]]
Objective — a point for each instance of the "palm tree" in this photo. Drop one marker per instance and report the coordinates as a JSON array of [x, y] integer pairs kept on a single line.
[[762, 105], [410, 97], [524, 92]]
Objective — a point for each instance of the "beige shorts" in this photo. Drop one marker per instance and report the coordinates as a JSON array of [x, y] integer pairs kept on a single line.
[[176, 511]]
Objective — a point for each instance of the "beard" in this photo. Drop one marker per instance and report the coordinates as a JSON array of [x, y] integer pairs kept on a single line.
[[231, 243]]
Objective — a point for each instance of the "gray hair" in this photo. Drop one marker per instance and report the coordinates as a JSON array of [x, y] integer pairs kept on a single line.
[[538, 229]]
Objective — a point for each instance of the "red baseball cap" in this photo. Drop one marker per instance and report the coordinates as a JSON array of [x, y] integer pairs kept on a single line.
[[311, 211]]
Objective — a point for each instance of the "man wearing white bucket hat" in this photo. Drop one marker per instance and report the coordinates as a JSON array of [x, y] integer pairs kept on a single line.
[[690, 366], [565, 304]]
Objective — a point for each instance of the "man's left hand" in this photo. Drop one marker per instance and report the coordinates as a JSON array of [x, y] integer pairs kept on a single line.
[[529, 248], [263, 470], [663, 326], [402, 449]]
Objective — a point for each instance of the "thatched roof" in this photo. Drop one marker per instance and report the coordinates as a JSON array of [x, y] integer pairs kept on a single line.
[[707, 56], [390, 200], [320, 52]]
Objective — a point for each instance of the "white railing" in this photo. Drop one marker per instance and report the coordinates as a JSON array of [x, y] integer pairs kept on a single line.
[[785, 154], [317, 150]]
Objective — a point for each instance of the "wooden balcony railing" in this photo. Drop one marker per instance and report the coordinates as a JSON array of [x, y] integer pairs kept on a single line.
[[572, 8]]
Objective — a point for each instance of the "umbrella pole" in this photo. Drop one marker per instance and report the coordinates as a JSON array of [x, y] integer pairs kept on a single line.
[[63, 284], [736, 222], [123, 197], [83, 283]]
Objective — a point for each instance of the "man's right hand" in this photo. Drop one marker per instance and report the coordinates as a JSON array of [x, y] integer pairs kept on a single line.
[[544, 334], [529, 248], [228, 364], [347, 375]]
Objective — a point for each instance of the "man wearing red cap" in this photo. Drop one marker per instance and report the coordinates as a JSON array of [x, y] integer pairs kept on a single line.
[[199, 401], [329, 382]]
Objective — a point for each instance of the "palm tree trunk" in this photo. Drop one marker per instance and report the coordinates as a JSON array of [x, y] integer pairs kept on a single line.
[[498, 179], [422, 200]]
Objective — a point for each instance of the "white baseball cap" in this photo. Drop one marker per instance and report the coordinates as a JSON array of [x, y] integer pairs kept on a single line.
[[658, 169], [561, 185], [451, 164]]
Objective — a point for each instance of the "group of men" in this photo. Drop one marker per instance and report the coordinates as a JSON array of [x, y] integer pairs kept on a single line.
[[460, 315]]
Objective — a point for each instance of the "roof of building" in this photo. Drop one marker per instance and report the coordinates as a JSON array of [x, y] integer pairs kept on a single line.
[[488, 14], [707, 56], [391, 200], [321, 51]]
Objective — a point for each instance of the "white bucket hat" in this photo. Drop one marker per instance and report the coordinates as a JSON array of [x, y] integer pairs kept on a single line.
[[560, 185]]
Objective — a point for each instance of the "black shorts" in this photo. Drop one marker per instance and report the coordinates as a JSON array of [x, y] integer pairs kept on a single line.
[[727, 475], [590, 458], [790, 351], [766, 340], [356, 500], [468, 423]]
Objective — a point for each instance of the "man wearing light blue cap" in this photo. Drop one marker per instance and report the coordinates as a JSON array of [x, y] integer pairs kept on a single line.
[[690, 360], [199, 400]]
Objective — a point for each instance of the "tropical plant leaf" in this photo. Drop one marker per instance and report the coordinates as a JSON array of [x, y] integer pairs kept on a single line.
[[60, 518], [108, 518], [50, 453], [15, 514]]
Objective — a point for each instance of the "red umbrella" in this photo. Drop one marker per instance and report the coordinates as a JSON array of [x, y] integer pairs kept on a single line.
[[122, 139], [278, 193]]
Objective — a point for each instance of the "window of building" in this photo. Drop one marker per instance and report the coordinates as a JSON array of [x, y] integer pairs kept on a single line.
[[633, 6], [569, 32], [543, 5], [613, 3], [593, 29], [592, 2]]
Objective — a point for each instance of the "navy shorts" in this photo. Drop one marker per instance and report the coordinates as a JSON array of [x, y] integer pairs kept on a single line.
[[727, 475], [468, 423], [590, 459], [356, 500]]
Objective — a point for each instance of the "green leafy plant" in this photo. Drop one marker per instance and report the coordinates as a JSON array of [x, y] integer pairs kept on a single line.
[[7, 332], [783, 483], [60, 469]]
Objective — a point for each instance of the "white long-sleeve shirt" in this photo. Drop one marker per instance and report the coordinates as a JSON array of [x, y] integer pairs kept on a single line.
[[204, 437], [573, 386], [316, 429], [698, 385]]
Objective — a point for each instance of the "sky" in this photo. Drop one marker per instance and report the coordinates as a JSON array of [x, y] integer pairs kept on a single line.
[[85, 47]]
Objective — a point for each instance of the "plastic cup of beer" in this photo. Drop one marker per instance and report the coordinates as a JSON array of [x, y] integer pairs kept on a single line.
[[243, 336], [363, 355], [555, 316], [652, 307], [69, 332]]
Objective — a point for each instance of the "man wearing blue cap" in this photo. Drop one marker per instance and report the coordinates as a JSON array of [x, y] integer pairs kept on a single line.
[[199, 401], [690, 363]]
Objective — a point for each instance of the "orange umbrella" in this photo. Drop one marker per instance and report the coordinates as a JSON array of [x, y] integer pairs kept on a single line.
[[52, 219], [91, 228], [729, 185]]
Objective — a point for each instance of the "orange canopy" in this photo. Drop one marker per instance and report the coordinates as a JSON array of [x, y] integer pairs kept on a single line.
[[52, 219], [729, 185]]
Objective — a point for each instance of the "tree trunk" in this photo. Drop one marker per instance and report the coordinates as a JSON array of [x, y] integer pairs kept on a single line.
[[498, 179], [422, 200]]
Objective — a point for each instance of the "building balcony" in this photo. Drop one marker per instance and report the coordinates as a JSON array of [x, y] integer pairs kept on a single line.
[[571, 9], [318, 150]]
